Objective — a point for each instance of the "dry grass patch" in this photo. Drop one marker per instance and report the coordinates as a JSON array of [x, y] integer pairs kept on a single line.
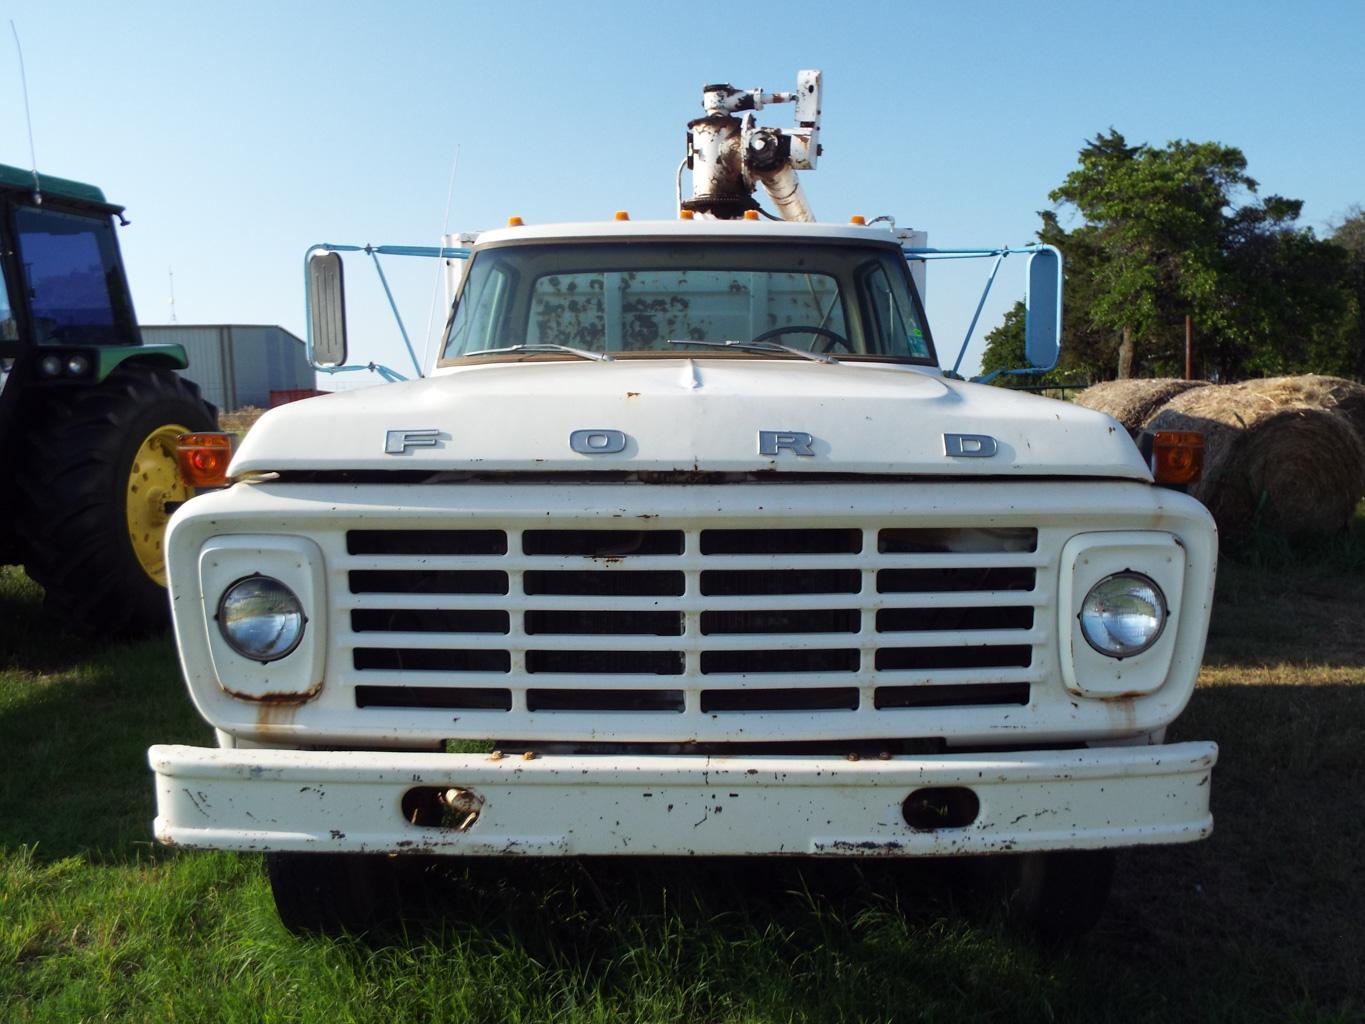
[[1283, 694], [239, 421]]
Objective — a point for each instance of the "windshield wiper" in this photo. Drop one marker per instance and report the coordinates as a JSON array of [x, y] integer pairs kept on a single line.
[[600, 357], [758, 346]]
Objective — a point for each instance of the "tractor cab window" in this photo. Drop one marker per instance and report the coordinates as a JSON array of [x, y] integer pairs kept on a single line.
[[76, 291]]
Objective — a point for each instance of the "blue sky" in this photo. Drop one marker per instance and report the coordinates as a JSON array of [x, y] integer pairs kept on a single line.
[[238, 134]]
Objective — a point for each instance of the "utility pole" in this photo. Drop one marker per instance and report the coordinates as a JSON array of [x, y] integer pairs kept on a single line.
[[171, 274]]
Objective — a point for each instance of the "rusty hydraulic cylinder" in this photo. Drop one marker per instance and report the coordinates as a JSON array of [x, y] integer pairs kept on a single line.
[[718, 185], [784, 188]]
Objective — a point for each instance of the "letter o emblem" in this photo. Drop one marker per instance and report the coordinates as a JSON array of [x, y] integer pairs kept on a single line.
[[597, 442]]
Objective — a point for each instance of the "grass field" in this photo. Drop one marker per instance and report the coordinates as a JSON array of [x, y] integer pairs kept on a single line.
[[1263, 922]]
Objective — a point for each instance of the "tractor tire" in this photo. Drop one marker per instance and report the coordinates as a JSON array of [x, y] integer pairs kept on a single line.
[[332, 893], [93, 485]]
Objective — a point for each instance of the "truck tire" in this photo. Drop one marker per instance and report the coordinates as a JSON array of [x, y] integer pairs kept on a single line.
[[93, 485], [1059, 896], [330, 893]]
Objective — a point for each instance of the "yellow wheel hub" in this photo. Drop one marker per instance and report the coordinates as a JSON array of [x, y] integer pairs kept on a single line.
[[154, 480]]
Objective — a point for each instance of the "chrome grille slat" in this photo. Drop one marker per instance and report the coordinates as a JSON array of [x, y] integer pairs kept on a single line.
[[696, 603], [865, 678], [626, 563], [1039, 597], [950, 676], [712, 642], [973, 638], [538, 681], [481, 641]]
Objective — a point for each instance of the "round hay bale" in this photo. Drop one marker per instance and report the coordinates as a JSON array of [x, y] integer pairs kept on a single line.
[[1281, 467], [1133, 402], [1336, 394]]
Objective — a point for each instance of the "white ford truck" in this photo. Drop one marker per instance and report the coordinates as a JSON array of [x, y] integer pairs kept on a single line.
[[688, 527]]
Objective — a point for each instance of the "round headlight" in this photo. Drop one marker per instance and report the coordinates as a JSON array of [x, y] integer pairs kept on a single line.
[[50, 365], [77, 365], [1123, 614], [261, 618]]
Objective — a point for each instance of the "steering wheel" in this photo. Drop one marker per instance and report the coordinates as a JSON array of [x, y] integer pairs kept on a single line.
[[832, 338]]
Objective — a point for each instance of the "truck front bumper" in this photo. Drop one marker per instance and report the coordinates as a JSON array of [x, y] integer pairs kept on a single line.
[[682, 805]]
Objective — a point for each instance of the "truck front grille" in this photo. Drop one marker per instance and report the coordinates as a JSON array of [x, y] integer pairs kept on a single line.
[[697, 622]]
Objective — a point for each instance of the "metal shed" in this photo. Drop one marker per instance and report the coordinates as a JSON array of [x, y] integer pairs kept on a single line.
[[239, 364]]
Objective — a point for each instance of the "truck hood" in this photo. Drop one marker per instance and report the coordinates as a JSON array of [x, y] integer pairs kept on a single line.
[[688, 415]]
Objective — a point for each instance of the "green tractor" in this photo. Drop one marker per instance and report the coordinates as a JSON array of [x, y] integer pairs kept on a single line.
[[89, 415]]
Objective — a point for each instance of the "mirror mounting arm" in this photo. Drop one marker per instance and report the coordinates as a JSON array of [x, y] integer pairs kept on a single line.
[[985, 292], [326, 312], [1042, 302]]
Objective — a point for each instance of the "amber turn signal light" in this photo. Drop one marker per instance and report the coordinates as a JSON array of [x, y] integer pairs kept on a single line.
[[1177, 456], [204, 458]]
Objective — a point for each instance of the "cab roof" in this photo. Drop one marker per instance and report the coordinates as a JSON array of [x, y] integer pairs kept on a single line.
[[19, 179], [698, 228]]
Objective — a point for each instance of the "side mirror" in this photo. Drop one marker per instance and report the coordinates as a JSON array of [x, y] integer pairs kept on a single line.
[[1043, 304], [326, 310]]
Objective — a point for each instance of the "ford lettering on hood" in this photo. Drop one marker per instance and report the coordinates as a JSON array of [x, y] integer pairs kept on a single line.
[[720, 414]]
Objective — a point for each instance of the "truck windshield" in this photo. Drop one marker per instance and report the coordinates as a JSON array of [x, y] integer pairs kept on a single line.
[[71, 268], [645, 297]]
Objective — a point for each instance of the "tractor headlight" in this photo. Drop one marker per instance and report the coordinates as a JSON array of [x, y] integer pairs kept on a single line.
[[1123, 614], [261, 618]]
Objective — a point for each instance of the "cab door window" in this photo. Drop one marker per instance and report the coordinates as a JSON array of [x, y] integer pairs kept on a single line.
[[895, 325]]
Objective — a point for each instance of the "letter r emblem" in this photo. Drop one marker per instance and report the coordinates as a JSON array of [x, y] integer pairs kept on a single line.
[[798, 442]]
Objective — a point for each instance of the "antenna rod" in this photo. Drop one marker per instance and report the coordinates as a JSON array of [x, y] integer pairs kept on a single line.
[[28, 117]]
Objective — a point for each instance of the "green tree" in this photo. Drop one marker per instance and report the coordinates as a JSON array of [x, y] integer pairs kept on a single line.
[[1349, 235], [1089, 347], [1349, 232], [1282, 305], [1166, 232], [1005, 351], [1005, 344]]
